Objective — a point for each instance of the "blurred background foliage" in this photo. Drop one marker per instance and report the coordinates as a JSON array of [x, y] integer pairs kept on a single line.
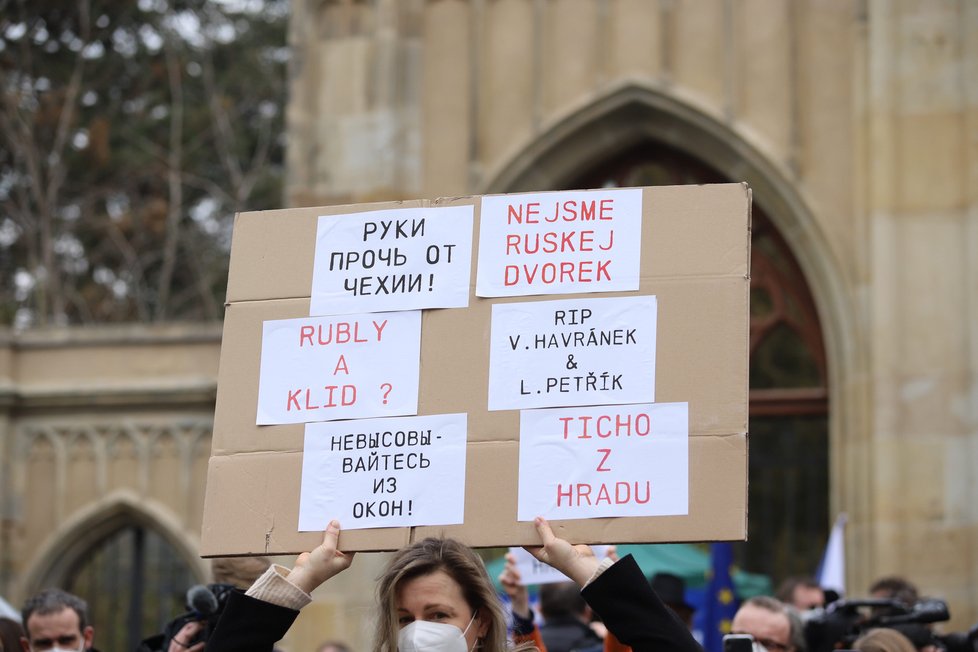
[[131, 134]]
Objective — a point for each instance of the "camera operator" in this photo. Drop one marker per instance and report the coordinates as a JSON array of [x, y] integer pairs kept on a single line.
[[802, 593], [895, 588], [842, 623], [189, 631]]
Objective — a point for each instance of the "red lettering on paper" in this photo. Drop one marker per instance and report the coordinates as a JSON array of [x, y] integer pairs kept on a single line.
[[605, 426], [569, 210], [619, 493], [380, 328], [548, 273], [342, 332], [314, 400]]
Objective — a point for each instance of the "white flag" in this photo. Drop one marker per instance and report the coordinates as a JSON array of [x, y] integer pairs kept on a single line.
[[832, 571], [6, 611]]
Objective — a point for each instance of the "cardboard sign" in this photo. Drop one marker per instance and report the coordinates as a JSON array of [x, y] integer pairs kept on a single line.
[[533, 571], [384, 473], [621, 460], [572, 352], [559, 243], [325, 368], [397, 259], [680, 318]]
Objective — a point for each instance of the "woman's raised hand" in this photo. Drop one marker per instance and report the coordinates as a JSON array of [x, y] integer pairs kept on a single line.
[[512, 583], [322, 562], [576, 562]]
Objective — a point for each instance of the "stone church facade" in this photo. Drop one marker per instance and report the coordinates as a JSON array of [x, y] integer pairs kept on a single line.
[[854, 121]]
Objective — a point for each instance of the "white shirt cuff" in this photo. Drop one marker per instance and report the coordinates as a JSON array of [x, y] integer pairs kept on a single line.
[[273, 587], [602, 567]]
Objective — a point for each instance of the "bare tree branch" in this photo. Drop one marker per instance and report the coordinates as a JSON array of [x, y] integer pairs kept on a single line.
[[204, 280], [132, 258], [222, 127], [211, 187], [174, 185]]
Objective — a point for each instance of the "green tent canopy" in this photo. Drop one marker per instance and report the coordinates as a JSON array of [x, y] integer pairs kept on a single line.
[[688, 561]]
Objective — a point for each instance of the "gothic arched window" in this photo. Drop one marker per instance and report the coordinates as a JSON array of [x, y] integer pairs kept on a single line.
[[134, 582], [788, 415]]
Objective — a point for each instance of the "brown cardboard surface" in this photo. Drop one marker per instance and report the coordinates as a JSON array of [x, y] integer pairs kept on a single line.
[[268, 240], [249, 489], [695, 256], [699, 244]]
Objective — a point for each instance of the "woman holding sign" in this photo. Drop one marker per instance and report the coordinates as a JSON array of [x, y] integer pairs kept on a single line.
[[436, 595]]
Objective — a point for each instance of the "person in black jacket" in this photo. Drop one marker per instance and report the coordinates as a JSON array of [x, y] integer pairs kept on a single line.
[[565, 619], [449, 608]]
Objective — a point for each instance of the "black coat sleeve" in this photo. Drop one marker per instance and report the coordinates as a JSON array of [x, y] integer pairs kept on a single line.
[[250, 625], [634, 613]]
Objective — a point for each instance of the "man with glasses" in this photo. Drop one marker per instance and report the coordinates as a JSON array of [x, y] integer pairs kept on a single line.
[[774, 626], [56, 621]]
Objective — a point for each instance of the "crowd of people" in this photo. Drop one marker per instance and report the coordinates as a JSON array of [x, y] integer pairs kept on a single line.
[[436, 595]]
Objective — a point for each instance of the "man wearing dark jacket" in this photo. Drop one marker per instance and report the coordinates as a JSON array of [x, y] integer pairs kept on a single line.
[[565, 619]]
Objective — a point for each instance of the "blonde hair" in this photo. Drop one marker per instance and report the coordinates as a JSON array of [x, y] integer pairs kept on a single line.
[[460, 563], [883, 640]]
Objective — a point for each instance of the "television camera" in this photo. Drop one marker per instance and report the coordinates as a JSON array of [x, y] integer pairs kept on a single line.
[[839, 624]]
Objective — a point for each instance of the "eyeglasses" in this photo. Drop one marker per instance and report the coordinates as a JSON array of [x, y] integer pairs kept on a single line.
[[768, 644], [773, 646]]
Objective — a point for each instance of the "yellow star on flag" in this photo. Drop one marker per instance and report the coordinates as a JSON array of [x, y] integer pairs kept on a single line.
[[725, 625], [725, 596]]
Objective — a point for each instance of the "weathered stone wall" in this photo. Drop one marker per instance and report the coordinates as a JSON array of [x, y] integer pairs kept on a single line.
[[105, 427], [100, 426], [853, 120]]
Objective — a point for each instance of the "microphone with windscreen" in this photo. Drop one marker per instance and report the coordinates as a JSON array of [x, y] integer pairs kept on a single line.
[[204, 603], [201, 600]]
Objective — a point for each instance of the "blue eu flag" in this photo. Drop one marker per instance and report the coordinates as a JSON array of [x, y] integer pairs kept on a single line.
[[720, 603]]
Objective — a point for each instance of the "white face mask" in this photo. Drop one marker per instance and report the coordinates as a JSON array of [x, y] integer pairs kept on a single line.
[[426, 636]]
